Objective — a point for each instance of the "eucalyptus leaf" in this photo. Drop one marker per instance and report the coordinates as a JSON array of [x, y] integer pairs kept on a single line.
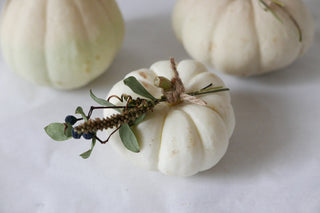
[[87, 154], [57, 131], [136, 87], [139, 120], [68, 130], [79, 110], [128, 138], [102, 102]]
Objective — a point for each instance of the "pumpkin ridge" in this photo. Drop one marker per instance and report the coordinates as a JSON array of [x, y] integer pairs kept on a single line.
[[160, 141], [119, 32], [213, 142], [185, 21], [253, 11], [213, 31], [82, 22], [295, 22], [194, 74], [45, 55], [213, 109], [111, 22], [13, 60], [198, 133], [81, 19]]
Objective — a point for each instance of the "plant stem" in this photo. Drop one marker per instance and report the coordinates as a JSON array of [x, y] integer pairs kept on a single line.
[[207, 92], [282, 6]]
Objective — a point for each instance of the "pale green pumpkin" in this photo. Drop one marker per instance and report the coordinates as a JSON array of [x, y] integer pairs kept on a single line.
[[59, 43]]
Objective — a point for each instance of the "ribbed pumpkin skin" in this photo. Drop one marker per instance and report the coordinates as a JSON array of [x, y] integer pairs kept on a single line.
[[240, 37], [179, 140], [61, 43]]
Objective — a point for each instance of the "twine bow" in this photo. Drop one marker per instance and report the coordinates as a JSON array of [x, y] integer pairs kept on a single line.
[[174, 91]]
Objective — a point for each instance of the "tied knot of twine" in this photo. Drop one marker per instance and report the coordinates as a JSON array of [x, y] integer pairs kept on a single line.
[[176, 94]]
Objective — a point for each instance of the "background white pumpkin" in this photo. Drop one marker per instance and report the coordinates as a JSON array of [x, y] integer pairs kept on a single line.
[[183, 139], [63, 44], [239, 37]]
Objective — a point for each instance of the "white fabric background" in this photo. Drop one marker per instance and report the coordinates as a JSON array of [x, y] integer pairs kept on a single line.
[[272, 164]]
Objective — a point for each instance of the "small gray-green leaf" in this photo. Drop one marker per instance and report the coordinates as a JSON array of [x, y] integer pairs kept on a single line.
[[136, 87], [79, 110], [139, 120], [128, 138], [87, 154], [56, 131], [68, 130], [102, 102]]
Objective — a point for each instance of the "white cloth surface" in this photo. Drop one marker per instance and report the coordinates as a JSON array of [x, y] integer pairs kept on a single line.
[[272, 164]]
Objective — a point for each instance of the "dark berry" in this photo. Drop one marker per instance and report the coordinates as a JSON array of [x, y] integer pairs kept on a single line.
[[88, 135], [70, 119], [75, 134]]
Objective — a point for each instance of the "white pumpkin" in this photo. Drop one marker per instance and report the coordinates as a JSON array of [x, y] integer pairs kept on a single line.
[[183, 139], [240, 37], [63, 44]]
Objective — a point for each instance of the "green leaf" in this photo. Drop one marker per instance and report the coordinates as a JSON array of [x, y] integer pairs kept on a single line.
[[102, 102], [128, 138], [56, 131], [68, 130], [87, 154], [79, 110], [139, 120], [136, 87]]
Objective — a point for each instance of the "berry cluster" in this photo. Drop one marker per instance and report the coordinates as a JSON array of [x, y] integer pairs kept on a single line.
[[70, 119]]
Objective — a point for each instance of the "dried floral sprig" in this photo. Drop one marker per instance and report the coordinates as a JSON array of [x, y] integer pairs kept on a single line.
[[131, 114], [268, 4]]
